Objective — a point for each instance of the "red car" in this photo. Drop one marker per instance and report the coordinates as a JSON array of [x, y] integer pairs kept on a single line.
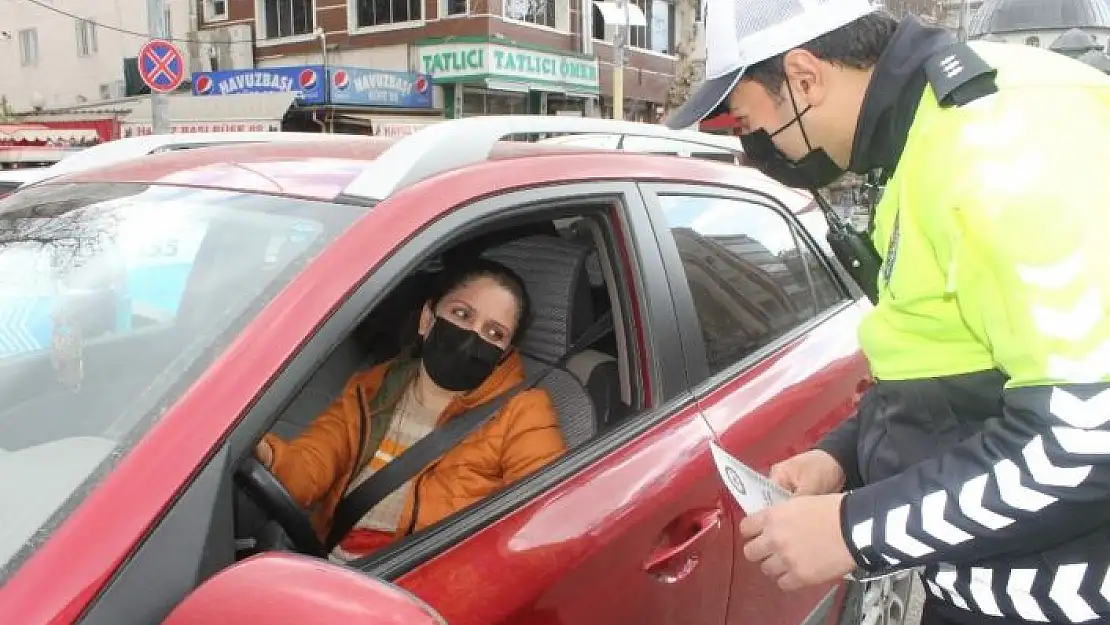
[[249, 282]]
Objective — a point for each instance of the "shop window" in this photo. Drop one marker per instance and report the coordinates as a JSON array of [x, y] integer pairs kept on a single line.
[[539, 12], [456, 7], [288, 18], [559, 104], [478, 101], [382, 12]]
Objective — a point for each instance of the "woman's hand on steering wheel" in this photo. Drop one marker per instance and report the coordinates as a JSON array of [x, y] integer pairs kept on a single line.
[[265, 453], [271, 495]]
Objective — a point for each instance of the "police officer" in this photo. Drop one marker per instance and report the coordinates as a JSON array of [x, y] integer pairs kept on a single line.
[[982, 453]]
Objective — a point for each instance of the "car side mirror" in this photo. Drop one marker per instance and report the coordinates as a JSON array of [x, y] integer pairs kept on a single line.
[[289, 589]]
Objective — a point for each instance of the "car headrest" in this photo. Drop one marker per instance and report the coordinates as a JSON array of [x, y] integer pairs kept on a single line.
[[554, 273]]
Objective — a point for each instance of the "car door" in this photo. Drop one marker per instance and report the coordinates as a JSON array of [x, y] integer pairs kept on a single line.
[[770, 335], [628, 528]]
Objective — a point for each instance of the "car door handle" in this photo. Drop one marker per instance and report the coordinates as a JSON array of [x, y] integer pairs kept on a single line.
[[670, 561]]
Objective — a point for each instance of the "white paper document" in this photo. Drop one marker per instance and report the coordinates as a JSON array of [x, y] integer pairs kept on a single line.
[[754, 492], [749, 487]]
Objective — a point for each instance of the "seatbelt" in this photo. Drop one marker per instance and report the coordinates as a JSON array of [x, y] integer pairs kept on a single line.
[[428, 449]]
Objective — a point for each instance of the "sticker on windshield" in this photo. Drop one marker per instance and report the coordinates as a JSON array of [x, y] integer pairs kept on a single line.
[[67, 351], [302, 231]]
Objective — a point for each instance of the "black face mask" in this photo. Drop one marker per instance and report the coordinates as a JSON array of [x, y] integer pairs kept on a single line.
[[814, 170], [457, 359]]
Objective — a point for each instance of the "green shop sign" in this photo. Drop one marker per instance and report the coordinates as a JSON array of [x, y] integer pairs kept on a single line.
[[466, 62]]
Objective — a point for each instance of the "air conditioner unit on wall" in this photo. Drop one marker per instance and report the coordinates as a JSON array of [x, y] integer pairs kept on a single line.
[[226, 47]]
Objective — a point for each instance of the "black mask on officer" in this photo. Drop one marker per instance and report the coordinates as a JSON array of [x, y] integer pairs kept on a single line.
[[458, 359], [814, 170]]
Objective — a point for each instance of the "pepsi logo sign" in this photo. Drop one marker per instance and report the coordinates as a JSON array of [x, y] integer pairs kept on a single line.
[[421, 85], [203, 84], [308, 78], [341, 79]]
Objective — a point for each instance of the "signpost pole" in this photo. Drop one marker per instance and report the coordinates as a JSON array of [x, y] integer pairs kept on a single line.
[[618, 63], [156, 14]]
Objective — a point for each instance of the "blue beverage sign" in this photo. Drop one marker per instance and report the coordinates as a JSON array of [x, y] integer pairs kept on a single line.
[[305, 81], [377, 87]]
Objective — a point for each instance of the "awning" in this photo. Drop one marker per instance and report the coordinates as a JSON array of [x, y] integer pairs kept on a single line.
[[399, 126], [389, 125], [613, 14], [39, 133], [507, 85], [524, 87], [247, 111]]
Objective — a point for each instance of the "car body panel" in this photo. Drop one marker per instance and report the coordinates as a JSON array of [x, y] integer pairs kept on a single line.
[[308, 587], [780, 408], [106, 527], [575, 554]]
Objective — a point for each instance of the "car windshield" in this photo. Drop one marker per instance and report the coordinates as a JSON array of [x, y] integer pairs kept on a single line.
[[113, 301]]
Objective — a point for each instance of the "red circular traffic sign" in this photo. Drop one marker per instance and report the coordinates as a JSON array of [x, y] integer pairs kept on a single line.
[[161, 65]]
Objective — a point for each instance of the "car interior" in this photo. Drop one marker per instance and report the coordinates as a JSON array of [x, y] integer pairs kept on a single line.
[[567, 267]]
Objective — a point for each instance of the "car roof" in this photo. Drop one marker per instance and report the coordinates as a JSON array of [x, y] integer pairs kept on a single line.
[[120, 150], [19, 175], [683, 141], [316, 170], [365, 170]]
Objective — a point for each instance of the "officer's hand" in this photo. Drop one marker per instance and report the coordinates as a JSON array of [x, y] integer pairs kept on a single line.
[[798, 542], [811, 473]]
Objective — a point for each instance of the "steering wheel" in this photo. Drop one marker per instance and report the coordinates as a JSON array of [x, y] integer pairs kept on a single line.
[[270, 495]]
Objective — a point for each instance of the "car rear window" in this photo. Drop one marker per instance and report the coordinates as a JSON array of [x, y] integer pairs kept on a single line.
[[114, 299]]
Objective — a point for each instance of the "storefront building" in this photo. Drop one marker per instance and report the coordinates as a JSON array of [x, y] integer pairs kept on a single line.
[[332, 98], [187, 114], [480, 76]]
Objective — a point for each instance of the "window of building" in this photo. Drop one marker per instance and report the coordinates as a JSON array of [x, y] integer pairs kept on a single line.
[[288, 18], [660, 20], [215, 10], [539, 12], [456, 7], [658, 35], [29, 47], [752, 277], [86, 37], [478, 101], [167, 22], [382, 12]]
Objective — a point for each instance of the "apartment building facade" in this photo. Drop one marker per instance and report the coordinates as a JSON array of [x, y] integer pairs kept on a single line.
[[66, 53], [486, 56]]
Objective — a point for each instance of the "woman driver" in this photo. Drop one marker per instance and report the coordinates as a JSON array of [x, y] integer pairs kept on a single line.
[[466, 358]]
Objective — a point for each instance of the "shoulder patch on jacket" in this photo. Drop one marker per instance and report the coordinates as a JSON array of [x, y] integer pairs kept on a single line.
[[959, 75]]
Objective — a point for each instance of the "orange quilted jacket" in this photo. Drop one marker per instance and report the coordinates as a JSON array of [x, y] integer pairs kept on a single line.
[[317, 466]]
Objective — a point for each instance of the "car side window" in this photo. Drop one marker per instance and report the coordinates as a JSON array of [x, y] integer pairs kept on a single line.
[[752, 277]]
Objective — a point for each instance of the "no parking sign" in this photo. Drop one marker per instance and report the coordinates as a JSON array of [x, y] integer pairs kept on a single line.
[[161, 66]]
